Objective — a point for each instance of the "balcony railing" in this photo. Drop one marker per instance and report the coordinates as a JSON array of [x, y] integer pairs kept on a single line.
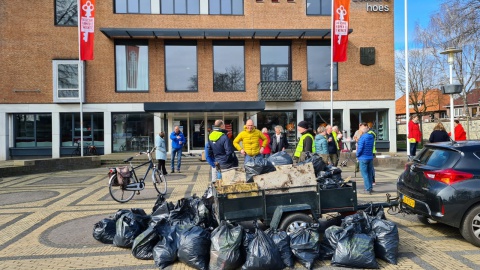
[[280, 90]]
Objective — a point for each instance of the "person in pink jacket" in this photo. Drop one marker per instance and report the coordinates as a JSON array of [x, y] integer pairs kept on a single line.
[[414, 135]]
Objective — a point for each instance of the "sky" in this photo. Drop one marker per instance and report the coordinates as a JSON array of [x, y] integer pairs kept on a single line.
[[419, 11]]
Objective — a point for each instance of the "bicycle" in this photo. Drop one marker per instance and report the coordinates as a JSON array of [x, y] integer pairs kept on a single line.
[[122, 190], [87, 149]]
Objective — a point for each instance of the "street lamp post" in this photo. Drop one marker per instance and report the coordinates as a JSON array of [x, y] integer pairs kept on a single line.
[[450, 52]]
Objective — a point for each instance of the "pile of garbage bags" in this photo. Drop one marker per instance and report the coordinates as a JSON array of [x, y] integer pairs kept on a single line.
[[187, 232]]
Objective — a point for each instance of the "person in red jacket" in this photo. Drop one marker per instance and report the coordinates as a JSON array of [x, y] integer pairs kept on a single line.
[[414, 135], [460, 134], [267, 150]]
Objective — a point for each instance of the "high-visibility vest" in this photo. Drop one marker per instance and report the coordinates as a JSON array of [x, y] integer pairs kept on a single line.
[[334, 134], [299, 148], [374, 140]]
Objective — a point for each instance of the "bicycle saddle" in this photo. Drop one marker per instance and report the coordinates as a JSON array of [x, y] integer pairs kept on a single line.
[[128, 159]]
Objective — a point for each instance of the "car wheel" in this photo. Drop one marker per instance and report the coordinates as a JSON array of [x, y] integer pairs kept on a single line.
[[425, 220], [470, 228]]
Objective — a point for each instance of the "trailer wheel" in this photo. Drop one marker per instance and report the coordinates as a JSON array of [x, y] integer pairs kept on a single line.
[[293, 221]]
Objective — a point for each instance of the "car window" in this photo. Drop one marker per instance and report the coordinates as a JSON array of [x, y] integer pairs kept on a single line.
[[438, 158]]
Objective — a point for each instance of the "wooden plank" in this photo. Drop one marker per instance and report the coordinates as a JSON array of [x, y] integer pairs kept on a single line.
[[288, 176]]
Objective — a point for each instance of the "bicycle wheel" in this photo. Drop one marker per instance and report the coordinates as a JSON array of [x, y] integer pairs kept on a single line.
[[76, 152], [117, 192], [93, 151], [160, 182]]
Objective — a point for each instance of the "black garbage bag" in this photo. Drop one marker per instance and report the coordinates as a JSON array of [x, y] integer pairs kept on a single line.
[[225, 253], [257, 166], [161, 210], [386, 241], [144, 243], [304, 243], [194, 247], [127, 228], [329, 183], [203, 216], [262, 253], [104, 230], [355, 250], [247, 237], [333, 234], [208, 201], [165, 251], [183, 213], [282, 241], [317, 161], [360, 222], [280, 158]]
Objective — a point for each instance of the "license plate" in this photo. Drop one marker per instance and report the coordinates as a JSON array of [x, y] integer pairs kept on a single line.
[[408, 201]]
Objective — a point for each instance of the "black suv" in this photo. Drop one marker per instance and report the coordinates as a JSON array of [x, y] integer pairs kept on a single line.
[[442, 184]]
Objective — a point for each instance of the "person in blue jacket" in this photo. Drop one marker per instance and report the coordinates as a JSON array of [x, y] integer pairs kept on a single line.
[[365, 158], [220, 147], [178, 141]]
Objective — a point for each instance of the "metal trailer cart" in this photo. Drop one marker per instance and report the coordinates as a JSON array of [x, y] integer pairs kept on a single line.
[[287, 209]]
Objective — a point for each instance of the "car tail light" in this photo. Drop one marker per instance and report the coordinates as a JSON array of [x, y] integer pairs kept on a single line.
[[448, 176]]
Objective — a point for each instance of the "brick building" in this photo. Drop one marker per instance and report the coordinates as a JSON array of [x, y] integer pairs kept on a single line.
[[160, 63]]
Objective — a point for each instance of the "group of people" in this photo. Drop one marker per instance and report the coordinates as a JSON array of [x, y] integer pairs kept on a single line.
[[439, 134]]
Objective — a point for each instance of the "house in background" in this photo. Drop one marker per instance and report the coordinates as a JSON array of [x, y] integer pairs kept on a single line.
[[435, 107], [473, 100]]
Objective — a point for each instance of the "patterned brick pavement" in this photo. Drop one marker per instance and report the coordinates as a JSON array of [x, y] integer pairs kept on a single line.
[[46, 222]]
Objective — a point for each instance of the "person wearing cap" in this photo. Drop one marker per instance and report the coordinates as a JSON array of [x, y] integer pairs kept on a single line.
[[250, 137], [306, 142]]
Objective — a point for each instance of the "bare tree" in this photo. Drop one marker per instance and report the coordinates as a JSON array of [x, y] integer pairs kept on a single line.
[[456, 25], [423, 77], [232, 79]]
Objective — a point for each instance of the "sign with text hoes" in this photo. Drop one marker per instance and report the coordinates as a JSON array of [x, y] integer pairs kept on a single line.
[[341, 16], [86, 9]]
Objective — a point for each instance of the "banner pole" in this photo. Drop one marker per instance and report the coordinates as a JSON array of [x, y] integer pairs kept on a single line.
[[331, 66], [80, 78]]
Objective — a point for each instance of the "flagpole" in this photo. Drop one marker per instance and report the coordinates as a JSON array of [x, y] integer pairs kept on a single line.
[[331, 66], [80, 78], [407, 94]]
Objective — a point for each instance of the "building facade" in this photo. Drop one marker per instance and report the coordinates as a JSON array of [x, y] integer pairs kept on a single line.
[[161, 63]]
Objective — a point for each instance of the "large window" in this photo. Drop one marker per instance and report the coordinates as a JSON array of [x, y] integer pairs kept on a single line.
[[131, 65], [228, 66], [319, 7], [70, 130], [158, 6], [318, 66], [275, 61], [322, 118], [225, 7], [66, 12], [132, 132], [377, 120], [286, 119], [33, 130], [181, 66], [65, 81]]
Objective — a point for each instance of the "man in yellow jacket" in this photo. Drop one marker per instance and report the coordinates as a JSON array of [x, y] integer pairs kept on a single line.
[[250, 140]]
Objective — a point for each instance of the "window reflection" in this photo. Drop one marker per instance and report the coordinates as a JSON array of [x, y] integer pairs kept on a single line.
[[318, 67], [275, 62], [181, 67], [131, 64], [229, 68], [319, 7], [225, 7], [33, 130]]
